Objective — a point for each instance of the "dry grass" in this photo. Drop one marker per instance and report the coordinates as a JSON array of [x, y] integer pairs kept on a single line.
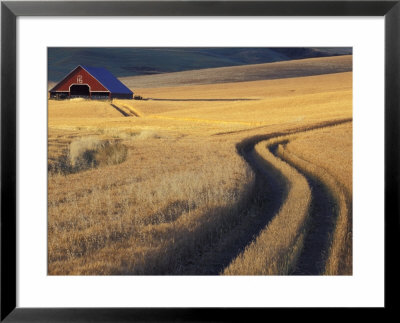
[[182, 188], [128, 107], [81, 108], [276, 249], [267, 102], [327, 155], [90, 152], [130, 218], [331, 149]]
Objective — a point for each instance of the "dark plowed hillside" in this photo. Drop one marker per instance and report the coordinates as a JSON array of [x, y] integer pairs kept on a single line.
[[131, 61], [254, 72]]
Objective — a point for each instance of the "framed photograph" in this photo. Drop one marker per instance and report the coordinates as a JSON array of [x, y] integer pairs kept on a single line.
[[197, 160]]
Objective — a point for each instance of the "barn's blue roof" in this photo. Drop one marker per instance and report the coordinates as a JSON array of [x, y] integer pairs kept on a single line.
[[107, 79]]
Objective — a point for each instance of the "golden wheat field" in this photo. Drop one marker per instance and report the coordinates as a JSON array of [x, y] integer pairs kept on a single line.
[[242, 178]]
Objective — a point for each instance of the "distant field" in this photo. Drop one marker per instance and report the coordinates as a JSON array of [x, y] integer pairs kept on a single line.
[[266, 71], [257, 102], [220, 106], [243, 73], [205, 179], [153, 60]]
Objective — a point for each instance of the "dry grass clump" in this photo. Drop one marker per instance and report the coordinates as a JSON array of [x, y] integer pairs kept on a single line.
[[146, 134], [89, 152], [276, 249], [82, 151], [92, 152]]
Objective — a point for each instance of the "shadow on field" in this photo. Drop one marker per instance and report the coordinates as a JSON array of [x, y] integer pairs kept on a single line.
[[320, 227], [205, 100], [269, 192], [120, 110], [169, 213]]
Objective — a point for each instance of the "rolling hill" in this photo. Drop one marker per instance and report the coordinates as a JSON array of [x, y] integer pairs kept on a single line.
[[244, 73], [148, 61]]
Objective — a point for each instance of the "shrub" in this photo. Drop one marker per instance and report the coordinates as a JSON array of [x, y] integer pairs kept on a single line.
[[111, 154], [90, 152]]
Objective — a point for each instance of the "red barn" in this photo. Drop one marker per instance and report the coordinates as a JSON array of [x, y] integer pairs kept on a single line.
[[90, 82]]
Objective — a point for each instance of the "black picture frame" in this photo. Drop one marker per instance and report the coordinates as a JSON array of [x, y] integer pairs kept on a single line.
[[10, 10]]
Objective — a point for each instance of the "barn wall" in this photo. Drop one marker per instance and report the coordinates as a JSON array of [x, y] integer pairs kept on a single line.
[[73, 79]]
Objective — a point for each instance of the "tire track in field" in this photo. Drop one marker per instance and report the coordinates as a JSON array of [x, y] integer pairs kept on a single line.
[[323, 210], [120, 110], [267, 197], [270, 192], [320, 226], [126, 111]]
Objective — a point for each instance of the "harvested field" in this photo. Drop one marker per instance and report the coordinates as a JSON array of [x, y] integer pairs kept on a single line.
[[334, 168], [193, 196], [81, 108]]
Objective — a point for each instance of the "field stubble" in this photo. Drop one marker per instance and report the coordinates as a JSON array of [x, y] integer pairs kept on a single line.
[[181, 197], [333, 167], [148, 210]]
